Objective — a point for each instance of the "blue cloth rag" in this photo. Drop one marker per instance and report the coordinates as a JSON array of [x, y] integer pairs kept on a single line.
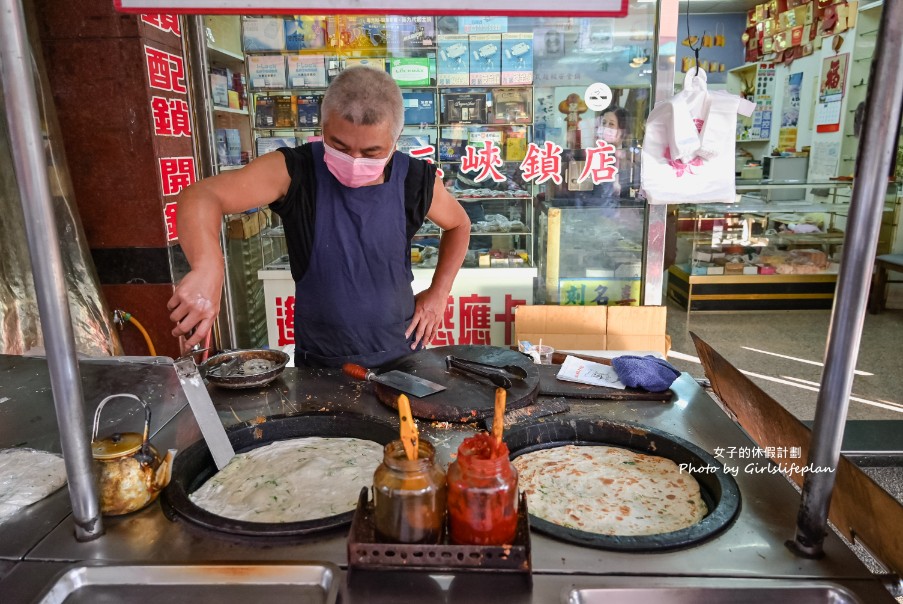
[[649, 373]]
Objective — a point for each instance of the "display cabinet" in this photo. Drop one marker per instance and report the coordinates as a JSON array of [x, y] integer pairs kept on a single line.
[[778, 247], [590, 255]]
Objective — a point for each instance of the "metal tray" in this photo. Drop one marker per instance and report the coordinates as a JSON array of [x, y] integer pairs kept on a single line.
[[235, 377], [194, 466], [315, 583], [366, 552], [718, 489]]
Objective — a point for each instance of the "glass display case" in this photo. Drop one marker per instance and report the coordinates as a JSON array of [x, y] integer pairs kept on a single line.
[[590, 255], [778, 247]]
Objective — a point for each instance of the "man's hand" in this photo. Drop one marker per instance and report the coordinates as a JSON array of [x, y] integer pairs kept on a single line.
[[429, 308], [195, 304]]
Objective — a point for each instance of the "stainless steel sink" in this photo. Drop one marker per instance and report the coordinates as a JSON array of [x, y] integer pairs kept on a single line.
[[195, 584], [801, 592]]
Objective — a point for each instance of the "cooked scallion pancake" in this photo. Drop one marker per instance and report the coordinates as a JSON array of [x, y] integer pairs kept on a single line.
[[609, 490], [292, 480]]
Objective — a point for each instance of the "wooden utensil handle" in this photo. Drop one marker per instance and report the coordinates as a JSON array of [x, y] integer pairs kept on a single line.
[[355, 371]]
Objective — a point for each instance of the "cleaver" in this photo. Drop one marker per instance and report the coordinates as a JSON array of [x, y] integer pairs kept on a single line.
[[403, 382]]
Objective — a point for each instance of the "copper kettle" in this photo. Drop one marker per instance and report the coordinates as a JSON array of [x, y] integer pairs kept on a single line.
[[130, 473]]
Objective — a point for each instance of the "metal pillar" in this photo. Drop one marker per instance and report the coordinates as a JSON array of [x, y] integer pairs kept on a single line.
[[876, 150], [27, 144], [665, 42]]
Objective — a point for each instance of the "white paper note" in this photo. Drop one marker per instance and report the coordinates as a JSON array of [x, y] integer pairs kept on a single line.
[[587, 372]]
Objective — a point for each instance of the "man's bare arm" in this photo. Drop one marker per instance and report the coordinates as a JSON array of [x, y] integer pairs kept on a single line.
[[448, 214], [195, 301]]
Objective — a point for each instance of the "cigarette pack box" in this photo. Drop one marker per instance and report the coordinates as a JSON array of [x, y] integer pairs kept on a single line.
[[453, 64], [379, 64], [268, 144], [512, 106], [485, 60], [409, 31], [306, 71], [465, 108], [305, 32], [263, 34], [283, 112], [411, 142], [419, 107], [233, 146], [265, 111], [309, 110], [410, 71], [267, 71], [219, 90], [517, 58]]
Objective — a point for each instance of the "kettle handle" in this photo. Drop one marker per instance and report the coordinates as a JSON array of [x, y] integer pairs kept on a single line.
[[147, 414]]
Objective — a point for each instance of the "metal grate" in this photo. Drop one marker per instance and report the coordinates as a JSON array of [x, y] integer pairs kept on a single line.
[[366, 552]]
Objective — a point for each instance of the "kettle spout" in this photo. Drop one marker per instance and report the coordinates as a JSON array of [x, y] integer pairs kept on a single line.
[[164, 471]]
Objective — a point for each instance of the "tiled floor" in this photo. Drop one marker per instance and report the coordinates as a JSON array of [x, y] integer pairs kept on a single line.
[[782, 351]]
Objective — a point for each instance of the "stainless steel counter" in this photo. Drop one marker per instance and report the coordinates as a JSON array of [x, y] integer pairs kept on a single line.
[[752, 547], [28, 419]]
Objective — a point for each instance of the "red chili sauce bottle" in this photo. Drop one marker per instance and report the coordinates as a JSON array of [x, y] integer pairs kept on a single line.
[[409, 496], [482, 493]]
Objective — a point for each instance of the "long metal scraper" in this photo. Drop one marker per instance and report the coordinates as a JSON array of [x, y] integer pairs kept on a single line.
[[204, 412]]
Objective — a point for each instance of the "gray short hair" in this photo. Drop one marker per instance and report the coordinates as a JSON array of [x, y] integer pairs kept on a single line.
[[366, 96]]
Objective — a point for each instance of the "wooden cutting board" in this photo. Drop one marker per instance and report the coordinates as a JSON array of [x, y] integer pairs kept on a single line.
[[467, 397], [549, 385]]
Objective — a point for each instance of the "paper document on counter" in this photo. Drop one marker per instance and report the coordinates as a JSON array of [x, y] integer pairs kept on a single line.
[[587, 372]]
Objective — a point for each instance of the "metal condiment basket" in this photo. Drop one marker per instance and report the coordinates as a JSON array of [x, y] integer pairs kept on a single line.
[[367, 552]]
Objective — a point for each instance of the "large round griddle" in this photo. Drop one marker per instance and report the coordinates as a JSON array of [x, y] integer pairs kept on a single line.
[[194, 466], [719, 490], [467, 397]]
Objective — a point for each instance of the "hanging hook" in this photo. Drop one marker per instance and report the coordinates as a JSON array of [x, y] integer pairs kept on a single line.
[[696, 48]]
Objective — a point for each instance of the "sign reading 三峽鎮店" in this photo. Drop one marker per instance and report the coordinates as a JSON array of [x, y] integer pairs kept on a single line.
[[513, 8]]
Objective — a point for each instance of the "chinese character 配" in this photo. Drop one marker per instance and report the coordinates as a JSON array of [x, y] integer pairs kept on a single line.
[[165, 71]]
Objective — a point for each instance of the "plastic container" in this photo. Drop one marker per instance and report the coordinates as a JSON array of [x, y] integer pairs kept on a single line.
[[482, 494], [409, 496]]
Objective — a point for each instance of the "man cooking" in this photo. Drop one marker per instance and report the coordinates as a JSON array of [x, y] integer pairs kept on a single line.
[[350, 206]]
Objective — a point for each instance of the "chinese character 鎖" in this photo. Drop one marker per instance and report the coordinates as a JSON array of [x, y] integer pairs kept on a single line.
[[168, 23], [542, 164], [170, 117]]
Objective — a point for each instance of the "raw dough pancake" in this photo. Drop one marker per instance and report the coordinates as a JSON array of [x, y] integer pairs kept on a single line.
[[292, 480], [609, 490], [27, 476]]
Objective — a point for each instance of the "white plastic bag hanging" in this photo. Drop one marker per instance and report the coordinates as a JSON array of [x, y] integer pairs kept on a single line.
[[688, 150]]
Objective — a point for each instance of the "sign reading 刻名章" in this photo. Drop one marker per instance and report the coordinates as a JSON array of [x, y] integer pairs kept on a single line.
[[515, 8]]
